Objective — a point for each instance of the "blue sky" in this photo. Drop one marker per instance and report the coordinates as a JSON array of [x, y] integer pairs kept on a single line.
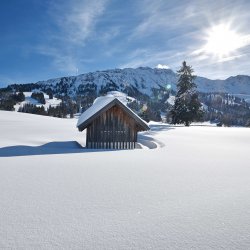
[[47, 39]]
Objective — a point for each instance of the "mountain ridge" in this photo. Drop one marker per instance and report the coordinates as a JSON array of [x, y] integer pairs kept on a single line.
[[147, 78], [223, 100]]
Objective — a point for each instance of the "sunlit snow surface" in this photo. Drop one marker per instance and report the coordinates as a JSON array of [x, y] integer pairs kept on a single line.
[[190, 191], [54, 102]]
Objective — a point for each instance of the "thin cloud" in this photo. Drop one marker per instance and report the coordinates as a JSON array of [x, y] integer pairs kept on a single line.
[[76, 23], [76, 20], [181, 25], [63, 62], [151, 58], [154, 32], [156, 16], [240, 41]]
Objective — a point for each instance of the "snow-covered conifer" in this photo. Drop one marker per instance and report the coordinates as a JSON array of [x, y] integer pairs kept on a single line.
[[187, 107]]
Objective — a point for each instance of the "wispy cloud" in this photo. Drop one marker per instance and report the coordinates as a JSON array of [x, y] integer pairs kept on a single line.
[[151, 58], [221, 44], [155, 16], [75, 23], [100, 34], [64, 62], [76, 20], [109, 34], [169, 32]]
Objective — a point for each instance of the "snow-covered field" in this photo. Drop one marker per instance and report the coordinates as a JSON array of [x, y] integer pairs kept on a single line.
[[29, 100], [190, 191]]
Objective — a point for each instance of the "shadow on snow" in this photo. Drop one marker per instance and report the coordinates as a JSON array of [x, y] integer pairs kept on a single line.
[[63, 147], [154, 128], [72, 147]]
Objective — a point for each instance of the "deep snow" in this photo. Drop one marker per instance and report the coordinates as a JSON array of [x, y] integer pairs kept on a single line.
[[190, 192]]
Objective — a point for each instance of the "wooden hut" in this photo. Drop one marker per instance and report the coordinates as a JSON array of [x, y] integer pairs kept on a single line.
[[110, 124]]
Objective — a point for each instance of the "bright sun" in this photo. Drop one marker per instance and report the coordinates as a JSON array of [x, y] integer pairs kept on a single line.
[[222, 41]]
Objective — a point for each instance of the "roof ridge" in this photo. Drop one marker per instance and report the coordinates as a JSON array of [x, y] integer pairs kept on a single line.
[[101, 106]]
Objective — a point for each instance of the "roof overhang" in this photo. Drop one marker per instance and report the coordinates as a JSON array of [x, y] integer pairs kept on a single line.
[[85, 123]]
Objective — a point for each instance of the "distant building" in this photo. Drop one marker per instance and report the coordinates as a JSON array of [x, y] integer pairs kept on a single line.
[[110, 124]]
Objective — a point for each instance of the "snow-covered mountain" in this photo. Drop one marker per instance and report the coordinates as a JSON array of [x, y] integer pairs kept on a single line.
[[144, 79], [226, 100], [239, 84]]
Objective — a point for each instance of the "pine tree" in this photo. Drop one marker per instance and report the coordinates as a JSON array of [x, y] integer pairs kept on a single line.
[[187, 107]]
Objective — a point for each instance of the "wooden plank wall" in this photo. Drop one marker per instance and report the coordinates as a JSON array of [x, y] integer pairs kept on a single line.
[[114, 129]]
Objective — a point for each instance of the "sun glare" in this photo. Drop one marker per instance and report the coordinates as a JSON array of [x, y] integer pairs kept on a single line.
[[222, 41]]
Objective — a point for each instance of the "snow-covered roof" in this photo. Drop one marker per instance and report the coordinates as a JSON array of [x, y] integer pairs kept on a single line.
[[98, 104], [102, 104]]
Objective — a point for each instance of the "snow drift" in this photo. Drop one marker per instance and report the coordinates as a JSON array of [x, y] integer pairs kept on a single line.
[[190, 192]]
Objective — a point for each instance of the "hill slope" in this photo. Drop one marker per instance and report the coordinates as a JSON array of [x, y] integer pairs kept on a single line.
[[145, 78], [192, 192]]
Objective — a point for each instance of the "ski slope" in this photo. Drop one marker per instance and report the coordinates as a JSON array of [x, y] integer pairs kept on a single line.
[[189, 191], [54, 102]]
